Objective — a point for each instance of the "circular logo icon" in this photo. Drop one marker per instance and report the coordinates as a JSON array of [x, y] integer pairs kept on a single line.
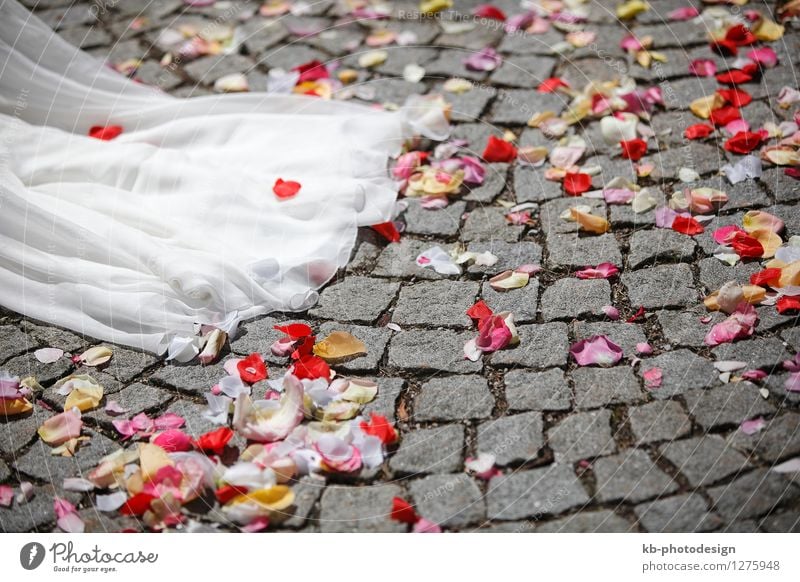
[[31, 555]]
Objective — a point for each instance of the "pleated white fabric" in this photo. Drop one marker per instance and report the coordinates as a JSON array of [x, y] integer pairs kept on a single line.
[[174, 222]]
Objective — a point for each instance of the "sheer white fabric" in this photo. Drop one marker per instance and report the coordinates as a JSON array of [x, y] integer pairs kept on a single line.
[[174, 222]]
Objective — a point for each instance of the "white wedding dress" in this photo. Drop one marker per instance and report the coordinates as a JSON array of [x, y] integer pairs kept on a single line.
[[174, 222]]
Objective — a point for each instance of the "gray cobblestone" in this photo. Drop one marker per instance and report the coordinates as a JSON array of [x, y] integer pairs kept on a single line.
[[454, 398], [659, 421], [430, 450], [449, 500], [596, 387], [360, 299], [581, 436], [436, 303], [528, 390], [704, 460], [512, 439], [572, 298], [630, 476]]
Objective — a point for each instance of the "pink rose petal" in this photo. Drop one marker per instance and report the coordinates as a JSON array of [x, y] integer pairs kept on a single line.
[[601, 271], [598, 350], [653, 378], [703, 68], [738, 325], [6, 495], [753, 426], [424, 526]]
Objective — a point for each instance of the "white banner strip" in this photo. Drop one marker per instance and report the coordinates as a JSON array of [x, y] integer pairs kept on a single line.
[[399, 557]]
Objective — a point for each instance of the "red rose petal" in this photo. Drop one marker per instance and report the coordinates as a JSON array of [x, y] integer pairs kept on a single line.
[[311, 71], [636, 316], [285, 188], [294, 330], [788, 303], [490, 12], [740, 35], [724, 115], [734, 77], [387, 230], [479, 311], [311, 368], [687, 225], [215, 440], [499, 150], [403, 512], [576, 184], [551, 85], [724, 47], [106, 133], [380, 427], [766, 277], [227, 492], [743, 142], [252, 369], [736, 97], [633, 149], [137, 504], [698, 131], [746, 246]]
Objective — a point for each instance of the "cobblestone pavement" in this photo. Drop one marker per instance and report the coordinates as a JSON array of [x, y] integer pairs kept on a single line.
[[580, 449]]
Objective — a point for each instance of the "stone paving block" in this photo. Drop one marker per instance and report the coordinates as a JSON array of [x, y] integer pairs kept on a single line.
[[509, 256], [468, 106], [753, 494], [261, 34], [443, 222], [528, 44], [493, 184], [399, 260], [782, 187], [682, 513], [550, 217], [191, 378], [5, 472], [630, 476], [375, 339], [685, 328], [601, 521], [767, 353], [596, 387], [453, 398], [659, 245], [39, 463], [523, 303], [714, 273], [517, 106], [206, 70], [134, 398], [625, 335], [573, 250], [788, 522], [512, 439], [37, 514], [429, 351], [489, 223], [449, 500], [17, 431], [778, 440], [436, 303], [45, 374], [582, 435], [529, 390], [450, 63], [430, 450], [530, 185], [55, 337], [541, 346], [727, 404], [661, 286], [682, 93], [287, 57], [700, 157], [126, 364], [523, 71], [682, 370], [389, 390], [307, 491], [483, 34], [359, 509], [571, 298], [196, 422], [532, 494], [358, 299], [704, 460], [659, 421], [13, 342]]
